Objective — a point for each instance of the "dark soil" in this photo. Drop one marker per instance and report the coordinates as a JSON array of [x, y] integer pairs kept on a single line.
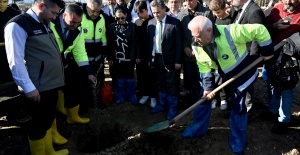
[[119, 129]]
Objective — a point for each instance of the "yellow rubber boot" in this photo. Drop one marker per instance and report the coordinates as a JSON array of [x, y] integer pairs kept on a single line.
[[73, 117], [60, 103], [49, 146], [37, 147], [56, 137]]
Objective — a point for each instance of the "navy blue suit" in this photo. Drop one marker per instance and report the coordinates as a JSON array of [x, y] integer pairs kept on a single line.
[[164, 63]]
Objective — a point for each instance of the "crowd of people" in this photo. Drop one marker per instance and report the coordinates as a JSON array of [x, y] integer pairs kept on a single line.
[[55, 53]]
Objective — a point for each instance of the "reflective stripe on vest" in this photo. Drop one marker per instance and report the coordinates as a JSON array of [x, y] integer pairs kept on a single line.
[[266, 43], [94, 33], [92, 40], [238, 58], [248, 82]]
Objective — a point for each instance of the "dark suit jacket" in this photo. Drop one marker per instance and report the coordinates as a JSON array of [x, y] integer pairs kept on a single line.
[[171, 41], [252, 15], [185, 18], [109, 19]]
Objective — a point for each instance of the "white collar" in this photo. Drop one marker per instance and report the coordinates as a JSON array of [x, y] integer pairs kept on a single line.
[[33, 15], [245, 5]]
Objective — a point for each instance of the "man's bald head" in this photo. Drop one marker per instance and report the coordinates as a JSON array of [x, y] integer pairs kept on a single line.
[[95, 3], [200, 22], [201, 30], [93, 8]]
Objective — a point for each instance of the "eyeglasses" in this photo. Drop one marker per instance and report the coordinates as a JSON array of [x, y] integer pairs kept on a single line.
[[118, 18]]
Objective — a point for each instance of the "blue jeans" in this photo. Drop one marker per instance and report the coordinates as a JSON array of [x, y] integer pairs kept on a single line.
[[125, 89], [281, 101]]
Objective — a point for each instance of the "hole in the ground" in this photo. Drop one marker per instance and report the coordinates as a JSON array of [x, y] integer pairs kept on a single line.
[[109, 135], [153, 143]]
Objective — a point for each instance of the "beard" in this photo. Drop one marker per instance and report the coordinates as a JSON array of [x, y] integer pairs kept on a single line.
[[46, 22], [291, 7]]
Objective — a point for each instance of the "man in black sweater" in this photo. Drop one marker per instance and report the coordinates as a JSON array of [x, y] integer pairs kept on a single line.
[[146, 79]]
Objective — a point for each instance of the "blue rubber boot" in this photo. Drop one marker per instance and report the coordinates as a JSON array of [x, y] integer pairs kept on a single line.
[[119, 90], [162, 103], [200, 122], [238, 131], [172, 106], [130, 91]]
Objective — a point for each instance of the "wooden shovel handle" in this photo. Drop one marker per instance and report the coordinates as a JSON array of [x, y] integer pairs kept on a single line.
[[224, 84]]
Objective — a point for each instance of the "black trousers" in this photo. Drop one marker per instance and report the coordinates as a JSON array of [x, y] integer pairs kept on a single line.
[[43, 114], [166, 77], [95, 65], [146, 80], [6, 75], [76, 87]]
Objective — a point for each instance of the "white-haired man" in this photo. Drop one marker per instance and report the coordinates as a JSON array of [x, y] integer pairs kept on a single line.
[[223, 48]]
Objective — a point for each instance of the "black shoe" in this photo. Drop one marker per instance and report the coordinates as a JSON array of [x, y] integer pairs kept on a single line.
[[280, 128]]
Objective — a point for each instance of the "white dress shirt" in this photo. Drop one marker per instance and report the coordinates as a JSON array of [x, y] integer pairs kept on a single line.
[[156, 33], [15, 40]]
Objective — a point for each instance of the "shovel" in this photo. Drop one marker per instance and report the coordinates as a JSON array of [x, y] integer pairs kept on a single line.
[[165, 124]]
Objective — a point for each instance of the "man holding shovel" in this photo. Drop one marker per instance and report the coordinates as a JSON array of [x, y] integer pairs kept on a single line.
[[224, 48]]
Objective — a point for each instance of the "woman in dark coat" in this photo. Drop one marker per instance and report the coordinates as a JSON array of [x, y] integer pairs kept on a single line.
[[121, 56]]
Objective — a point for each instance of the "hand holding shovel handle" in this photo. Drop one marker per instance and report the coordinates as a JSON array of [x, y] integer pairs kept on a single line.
[[166, 124], [225, 83]]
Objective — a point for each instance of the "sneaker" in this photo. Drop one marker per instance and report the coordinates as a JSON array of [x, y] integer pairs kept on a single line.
[[223, 105], [144, 99], [213, 103], [184, 92], [153, 102]]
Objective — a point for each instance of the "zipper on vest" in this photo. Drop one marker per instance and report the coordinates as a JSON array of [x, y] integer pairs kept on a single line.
[[41, 72]]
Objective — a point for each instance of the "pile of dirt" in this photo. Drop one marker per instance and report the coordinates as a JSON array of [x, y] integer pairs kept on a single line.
[[119, 129]]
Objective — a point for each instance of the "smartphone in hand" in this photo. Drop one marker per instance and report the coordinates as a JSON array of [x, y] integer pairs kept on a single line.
[[287, 20]]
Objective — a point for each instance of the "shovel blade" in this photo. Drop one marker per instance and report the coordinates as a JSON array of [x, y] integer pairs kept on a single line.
[[158, 127]]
